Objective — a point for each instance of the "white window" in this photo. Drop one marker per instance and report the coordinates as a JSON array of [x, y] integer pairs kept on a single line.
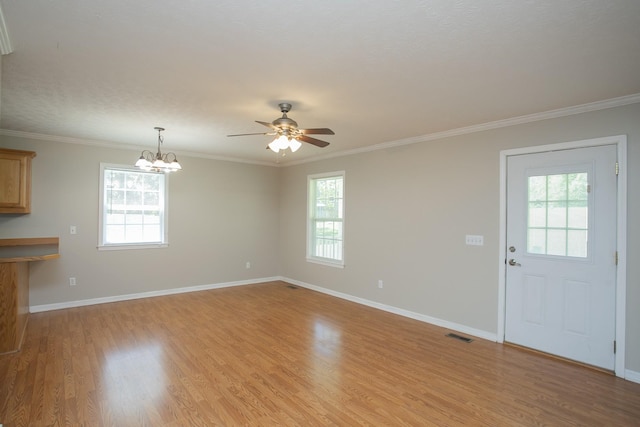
[[325, 227], [133, 206], [558, 215]]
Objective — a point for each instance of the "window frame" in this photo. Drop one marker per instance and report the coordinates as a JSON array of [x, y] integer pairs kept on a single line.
[[164, 221], [566, 228], [311, 179]]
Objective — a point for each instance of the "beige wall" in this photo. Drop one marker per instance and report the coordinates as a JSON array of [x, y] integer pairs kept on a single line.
[[409, 208], [407, 211], [221, 214]]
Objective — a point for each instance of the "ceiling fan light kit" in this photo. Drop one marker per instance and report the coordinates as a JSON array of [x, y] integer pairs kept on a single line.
[[158, 162], [288, 135]]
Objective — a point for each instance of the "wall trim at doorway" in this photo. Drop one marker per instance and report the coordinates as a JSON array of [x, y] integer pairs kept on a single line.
[[620, 141]]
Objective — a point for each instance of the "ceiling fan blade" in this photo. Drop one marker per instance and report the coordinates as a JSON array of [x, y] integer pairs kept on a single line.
[[313, 141], [317, 131], [269, 125], [245, 134]]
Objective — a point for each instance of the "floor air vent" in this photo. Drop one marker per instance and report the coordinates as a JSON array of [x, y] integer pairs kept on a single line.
[[292, 287], [459, 337]]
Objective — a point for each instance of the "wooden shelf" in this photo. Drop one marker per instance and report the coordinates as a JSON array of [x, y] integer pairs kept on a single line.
[[29, 249]]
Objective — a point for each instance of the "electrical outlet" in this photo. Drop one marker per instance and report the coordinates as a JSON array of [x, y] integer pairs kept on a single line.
[[72, 281], [474, 240], [380, 284], [248, 265]]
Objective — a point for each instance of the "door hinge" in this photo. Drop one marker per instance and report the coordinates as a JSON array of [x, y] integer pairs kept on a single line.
[[614, 347], [588, 188], [617, 168], [615, 258]]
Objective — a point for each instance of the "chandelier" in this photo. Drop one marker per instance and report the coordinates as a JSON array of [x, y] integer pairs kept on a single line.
[[158, 162]]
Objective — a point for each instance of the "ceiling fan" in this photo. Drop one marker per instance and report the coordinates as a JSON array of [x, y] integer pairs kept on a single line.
[[287, 134]]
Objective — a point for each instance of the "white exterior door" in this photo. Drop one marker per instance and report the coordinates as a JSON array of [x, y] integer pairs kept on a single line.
[[561, 253]]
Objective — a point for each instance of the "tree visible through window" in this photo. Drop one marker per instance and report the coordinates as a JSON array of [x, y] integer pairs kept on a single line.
[[325, 228], [132, 207]]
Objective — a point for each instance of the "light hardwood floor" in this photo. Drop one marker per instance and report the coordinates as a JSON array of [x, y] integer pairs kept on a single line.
[[266, 354]]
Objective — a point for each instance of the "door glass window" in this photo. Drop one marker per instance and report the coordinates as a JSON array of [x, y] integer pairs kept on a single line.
[[557, 215]]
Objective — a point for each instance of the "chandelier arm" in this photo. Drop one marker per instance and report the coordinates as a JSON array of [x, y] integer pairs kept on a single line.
[[158, 162]]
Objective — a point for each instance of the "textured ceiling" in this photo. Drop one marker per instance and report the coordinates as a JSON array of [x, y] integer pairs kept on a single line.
[[373, 71]]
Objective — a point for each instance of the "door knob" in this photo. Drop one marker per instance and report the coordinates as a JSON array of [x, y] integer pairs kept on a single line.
[[514, 263]]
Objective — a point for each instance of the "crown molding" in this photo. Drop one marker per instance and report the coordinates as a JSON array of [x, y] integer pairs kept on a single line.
[[529, 118], [5, 42], [115, 145], [546, 115]]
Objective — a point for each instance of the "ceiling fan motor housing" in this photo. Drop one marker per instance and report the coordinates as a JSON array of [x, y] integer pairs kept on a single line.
[[285, 123]]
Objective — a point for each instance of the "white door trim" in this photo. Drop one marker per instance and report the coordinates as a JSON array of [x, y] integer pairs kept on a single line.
[[620, 141]]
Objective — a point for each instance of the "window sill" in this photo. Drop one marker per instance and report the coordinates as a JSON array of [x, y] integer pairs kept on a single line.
[[327, 262], [125, 247]]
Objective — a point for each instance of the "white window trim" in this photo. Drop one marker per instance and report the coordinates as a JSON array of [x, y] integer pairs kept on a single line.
[[128, 246], [320, 260]]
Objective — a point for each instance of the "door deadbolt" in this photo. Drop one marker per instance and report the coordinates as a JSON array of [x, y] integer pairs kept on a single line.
[[512, 249]]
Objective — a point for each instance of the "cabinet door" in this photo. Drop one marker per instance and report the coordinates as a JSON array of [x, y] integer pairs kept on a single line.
[[15, 181]]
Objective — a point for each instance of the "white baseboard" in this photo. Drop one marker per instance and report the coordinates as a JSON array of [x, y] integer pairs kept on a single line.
[[630, 375], [116, 298], [395, 310]]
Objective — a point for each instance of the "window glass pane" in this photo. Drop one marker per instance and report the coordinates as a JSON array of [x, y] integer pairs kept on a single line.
[[337, 230], [578, 186], [115, 197], [557, 187], [151, 198], [557, 214], [537, 214], [537, 241], [151, 182], [321, 188], [134, 198], [115, 217], [114, 179], [556, 242], [151, 218], [151, 233], [134, 217], [134, 181], [577, 243], [578, 214], [538, 188], [133, 234], [115, 234]]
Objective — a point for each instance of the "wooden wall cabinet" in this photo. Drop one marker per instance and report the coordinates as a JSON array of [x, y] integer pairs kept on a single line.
[[15, 181]]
